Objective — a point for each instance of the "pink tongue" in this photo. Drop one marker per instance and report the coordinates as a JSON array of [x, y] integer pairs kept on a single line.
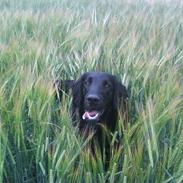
[[90, 115]]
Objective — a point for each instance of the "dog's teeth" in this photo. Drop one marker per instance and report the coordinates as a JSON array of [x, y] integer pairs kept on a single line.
[[93, 117], [84, 117], [90, 116]]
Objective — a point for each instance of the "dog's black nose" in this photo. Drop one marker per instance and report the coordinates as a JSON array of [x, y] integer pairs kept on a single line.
[[93, 98]]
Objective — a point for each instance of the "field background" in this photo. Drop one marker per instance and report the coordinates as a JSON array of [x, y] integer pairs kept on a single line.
[[140, 42]]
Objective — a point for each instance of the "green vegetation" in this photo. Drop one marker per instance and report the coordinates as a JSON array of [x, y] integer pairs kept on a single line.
[[41, 41]]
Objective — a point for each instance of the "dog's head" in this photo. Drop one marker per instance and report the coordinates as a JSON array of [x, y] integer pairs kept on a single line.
[[95, 94]]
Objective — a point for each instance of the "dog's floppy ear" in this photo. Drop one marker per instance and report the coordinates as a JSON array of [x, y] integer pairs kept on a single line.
[[120, 93], [78, 98], [77, 91], [121, 100], [62, 87]]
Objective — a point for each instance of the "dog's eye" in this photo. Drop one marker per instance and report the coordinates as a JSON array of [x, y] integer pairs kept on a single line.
[[106, 84], [88, 81]]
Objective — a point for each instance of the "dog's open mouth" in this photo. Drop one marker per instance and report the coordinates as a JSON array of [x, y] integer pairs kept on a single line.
[[92, 115]]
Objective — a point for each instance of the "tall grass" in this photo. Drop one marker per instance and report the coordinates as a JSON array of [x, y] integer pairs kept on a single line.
[[41, 41]]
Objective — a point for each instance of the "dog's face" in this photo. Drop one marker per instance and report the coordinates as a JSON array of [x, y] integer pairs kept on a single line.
[[98, 92], [95, 94]]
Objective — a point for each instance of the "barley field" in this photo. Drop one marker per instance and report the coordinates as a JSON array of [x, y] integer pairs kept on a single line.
[[140, 42]]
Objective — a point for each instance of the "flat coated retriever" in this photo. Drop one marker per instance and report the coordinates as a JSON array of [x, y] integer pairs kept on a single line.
[[97, 99]]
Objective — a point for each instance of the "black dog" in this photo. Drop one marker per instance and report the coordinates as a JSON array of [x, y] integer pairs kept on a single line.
[[97, 99]]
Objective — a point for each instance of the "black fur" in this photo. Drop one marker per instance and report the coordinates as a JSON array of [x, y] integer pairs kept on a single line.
[[96, 91]]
